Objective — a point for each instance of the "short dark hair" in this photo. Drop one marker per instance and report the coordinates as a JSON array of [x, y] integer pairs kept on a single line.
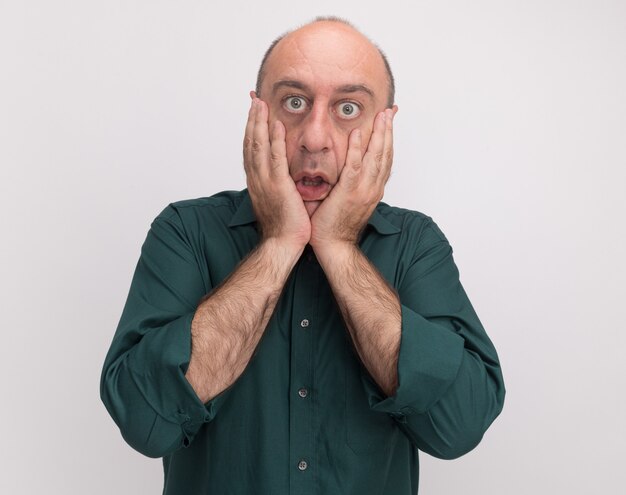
[[261, 74]]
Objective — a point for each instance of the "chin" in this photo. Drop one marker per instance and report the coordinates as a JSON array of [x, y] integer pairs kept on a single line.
[[311, 206]]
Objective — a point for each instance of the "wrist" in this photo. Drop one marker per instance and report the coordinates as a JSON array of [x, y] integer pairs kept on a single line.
[[324, 238], [336, 251], [280, 250]]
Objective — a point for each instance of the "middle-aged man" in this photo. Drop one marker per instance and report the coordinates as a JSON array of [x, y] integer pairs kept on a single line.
[[300, 337]]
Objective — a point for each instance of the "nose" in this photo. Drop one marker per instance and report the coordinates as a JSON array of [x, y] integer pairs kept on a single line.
[[316, 136]]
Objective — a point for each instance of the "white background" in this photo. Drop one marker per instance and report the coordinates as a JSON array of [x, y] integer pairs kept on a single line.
[[510, 135]]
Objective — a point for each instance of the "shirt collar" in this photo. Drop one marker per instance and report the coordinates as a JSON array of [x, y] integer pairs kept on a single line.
[[245, 215], [381, 224]]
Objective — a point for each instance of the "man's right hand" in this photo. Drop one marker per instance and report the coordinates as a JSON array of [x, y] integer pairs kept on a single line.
[[278, 206]]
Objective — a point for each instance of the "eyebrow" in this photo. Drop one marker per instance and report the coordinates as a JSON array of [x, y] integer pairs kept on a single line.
[[355, 88], [347, 88]]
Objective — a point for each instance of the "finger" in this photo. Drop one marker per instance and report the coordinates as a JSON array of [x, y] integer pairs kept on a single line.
[[247, 138], [374, 156], [278, 150], [260, 136], [387, 159], [353, 167]]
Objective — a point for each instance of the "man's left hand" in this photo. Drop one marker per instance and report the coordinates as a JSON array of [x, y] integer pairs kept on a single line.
[[343, 214]]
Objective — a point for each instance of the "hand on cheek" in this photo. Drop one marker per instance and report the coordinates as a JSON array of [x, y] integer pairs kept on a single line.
[[277, 205], [342, 216]]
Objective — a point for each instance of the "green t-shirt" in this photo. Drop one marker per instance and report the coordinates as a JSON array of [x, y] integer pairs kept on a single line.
[[305, 417]]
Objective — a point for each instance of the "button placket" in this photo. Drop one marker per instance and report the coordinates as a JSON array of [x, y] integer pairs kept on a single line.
[[302, 438]]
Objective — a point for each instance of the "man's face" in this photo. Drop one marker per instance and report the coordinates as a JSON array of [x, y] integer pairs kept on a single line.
[[322, 82]]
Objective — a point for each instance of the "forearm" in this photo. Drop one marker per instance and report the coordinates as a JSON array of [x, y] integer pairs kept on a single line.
[[370, 309], [230, 321]]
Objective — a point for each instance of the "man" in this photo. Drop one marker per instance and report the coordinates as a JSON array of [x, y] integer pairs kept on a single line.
[[302, 337]]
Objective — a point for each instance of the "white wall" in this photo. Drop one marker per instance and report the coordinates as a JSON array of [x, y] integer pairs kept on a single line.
[[510, 134]]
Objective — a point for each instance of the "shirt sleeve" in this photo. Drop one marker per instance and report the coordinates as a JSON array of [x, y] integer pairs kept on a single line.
[[143, 384], [450, 385]]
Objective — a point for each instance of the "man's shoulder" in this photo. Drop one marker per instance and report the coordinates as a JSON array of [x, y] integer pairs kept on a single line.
[[391, 211], [222, 205], [207, 215], [229, 199]]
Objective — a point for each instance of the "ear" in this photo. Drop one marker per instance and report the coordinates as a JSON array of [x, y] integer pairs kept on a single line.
[[253, 95]]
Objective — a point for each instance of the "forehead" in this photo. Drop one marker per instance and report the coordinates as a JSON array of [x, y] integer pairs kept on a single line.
[[326, 56]]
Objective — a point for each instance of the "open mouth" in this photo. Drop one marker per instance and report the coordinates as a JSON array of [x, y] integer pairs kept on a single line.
[[312, 188], [312, 181]]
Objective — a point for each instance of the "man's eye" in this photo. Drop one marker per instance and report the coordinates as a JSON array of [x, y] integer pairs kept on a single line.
[[348, 110], [295, 104]]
